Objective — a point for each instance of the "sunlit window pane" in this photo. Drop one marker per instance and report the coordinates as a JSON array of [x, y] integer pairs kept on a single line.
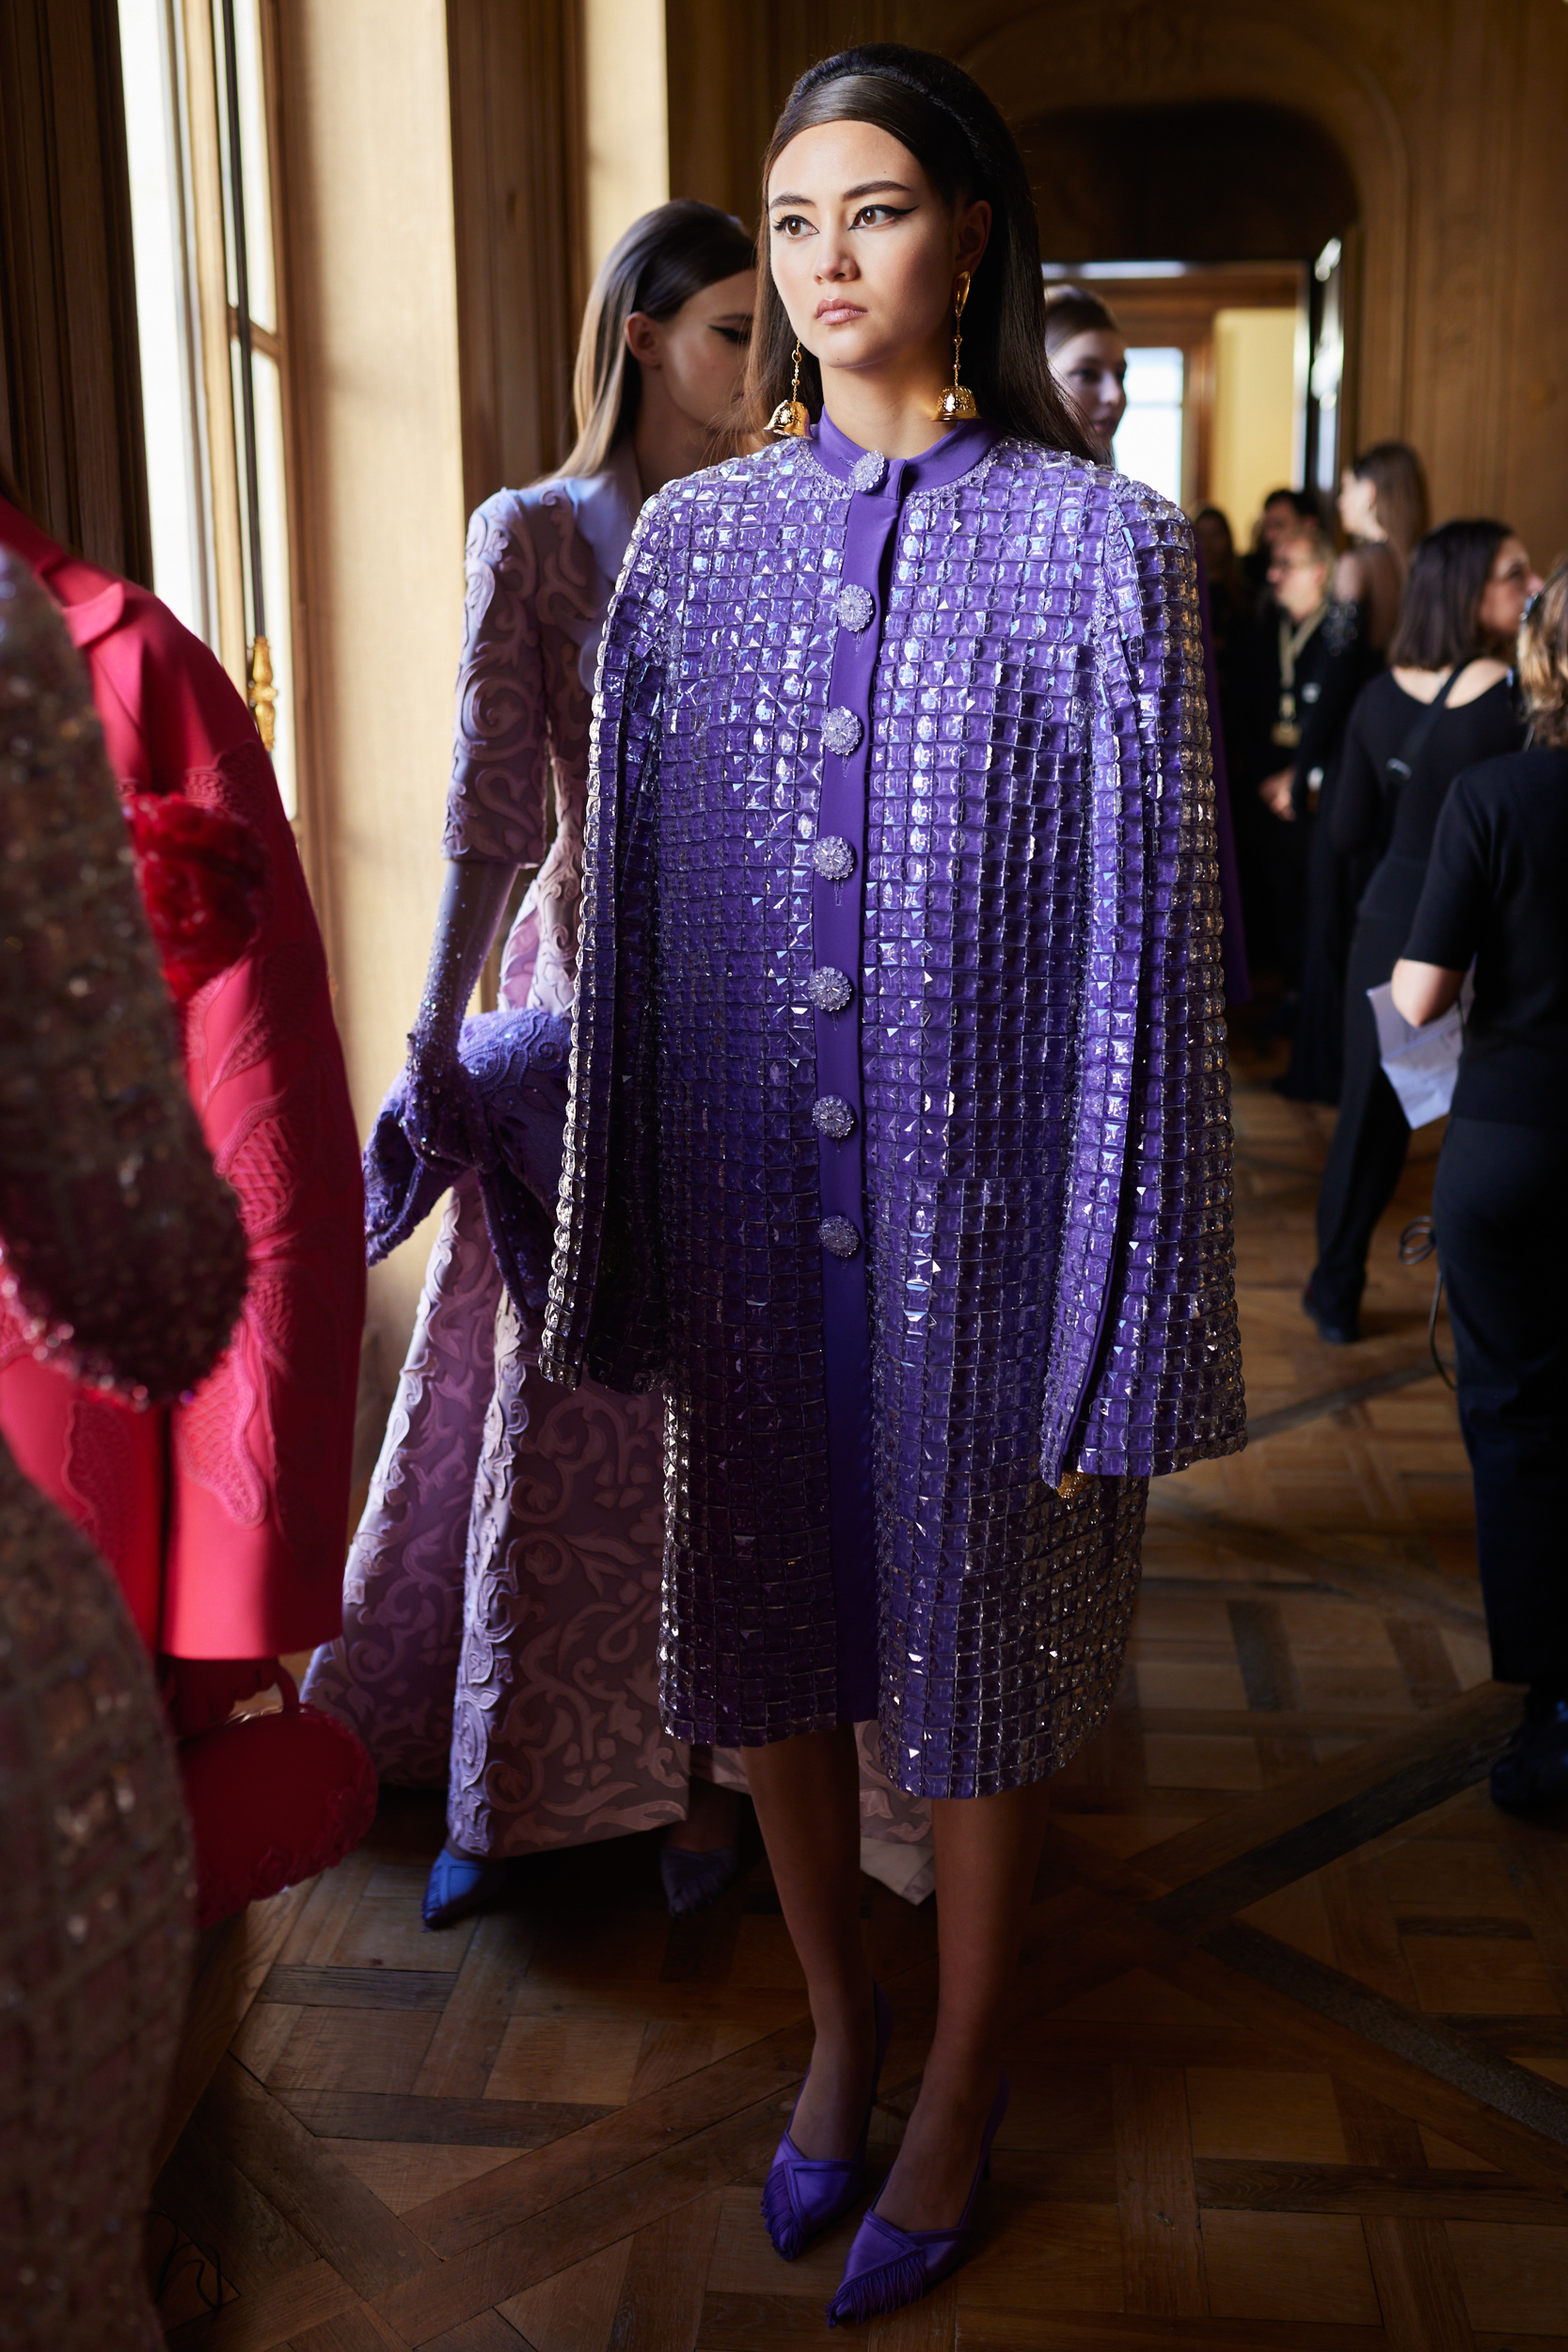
[[274, 559], [1148, 439], [253, 157]]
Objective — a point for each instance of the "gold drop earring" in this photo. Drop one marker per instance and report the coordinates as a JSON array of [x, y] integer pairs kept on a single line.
[[791, 416], [957, 405]]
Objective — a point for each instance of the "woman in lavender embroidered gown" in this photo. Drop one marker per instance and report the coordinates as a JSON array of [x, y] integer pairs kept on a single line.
[[500, 1604], [898, 1146]]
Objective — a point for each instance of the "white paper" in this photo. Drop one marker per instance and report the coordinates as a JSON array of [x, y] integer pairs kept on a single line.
[[1422, 1064]]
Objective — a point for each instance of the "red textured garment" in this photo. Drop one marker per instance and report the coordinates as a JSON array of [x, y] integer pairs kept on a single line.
[[225, 1517]]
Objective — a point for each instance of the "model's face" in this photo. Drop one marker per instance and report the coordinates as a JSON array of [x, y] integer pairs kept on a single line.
[[1092, 370], [1510, 585], [701, 350], [1298, 578], [864, 254], [1358, 505]]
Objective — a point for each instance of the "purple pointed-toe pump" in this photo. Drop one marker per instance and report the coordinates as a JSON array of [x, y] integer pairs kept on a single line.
[[803, 2193], [889, 2267]]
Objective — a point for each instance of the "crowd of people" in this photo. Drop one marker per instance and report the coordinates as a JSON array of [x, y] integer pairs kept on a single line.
[[791, 1365]]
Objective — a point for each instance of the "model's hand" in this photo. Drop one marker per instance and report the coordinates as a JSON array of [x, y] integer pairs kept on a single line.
[[1275, 793]]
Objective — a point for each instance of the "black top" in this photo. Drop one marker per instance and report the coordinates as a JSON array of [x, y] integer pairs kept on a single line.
[[1496, 890], [1397, 820], [1329, 670]]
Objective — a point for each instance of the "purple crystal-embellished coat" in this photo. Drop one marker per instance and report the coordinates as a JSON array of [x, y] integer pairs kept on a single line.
[[899, 1146]]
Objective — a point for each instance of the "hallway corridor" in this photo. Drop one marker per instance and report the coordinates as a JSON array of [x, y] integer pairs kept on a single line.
[[1289, 2049]]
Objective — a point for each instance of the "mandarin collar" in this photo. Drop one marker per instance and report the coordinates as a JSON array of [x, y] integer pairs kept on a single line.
[[959, 449]]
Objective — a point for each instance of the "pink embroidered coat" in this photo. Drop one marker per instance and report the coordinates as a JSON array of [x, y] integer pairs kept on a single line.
[[224, 1514]]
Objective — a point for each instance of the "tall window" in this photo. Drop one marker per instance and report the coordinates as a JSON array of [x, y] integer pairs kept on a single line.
[[1148, 439], [200, 136]]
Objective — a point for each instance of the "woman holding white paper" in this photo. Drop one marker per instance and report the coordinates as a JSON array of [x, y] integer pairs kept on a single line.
[[1444, 703], [1496, 892]]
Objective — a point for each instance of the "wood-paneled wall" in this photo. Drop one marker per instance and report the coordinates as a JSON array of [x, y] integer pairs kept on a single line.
[[1449, 113], [70, 415], [516, 142]]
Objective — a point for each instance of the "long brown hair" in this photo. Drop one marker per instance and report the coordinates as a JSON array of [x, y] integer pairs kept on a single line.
[[1400, 484], [967, 152], [1439, 623], [660, 261]]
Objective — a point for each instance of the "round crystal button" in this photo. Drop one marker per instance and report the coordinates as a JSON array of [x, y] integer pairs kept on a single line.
[[856, 607], [841, 730], [830, 991], [869, 472], [833, 858], [833, 1117], [839, 1236]]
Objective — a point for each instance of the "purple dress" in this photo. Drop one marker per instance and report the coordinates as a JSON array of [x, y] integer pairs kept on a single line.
[[899, 1147], [501, 1598]]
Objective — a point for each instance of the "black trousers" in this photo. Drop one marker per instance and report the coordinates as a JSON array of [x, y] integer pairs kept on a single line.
[[1497, 1208], [1365, 1158]]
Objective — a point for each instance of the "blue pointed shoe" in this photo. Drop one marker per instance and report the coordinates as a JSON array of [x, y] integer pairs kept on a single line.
[[457, 1887], [804, 2194], [889, 2267]]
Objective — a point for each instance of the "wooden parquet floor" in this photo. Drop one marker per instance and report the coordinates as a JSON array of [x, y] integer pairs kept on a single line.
[[1290, 2045]]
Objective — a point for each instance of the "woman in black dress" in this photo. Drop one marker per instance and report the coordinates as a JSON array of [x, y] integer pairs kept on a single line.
[[1497, 891], [1443, 703]]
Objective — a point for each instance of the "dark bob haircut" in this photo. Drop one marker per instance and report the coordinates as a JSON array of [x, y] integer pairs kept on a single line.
[[967, 152], [654, 266], [1439, 622]]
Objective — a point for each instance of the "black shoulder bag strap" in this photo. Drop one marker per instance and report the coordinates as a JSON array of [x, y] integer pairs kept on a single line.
[[1403, 766]]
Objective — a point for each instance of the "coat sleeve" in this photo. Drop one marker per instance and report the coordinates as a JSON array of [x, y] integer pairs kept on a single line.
[[1148, 1347], [606, 1315], [500, 739]]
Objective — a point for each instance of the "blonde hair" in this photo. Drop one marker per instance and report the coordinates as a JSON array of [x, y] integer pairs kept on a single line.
[[1544, 660]]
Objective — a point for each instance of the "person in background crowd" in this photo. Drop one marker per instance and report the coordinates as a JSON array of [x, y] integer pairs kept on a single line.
[[1497, 891], [1444, 703], [1229, 598], [1088, 360], [1303, 665], [1382, 505], [1382, 510], [1280, 511]]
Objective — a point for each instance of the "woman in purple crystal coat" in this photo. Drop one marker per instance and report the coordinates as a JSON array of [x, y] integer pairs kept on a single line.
[[898, 1146]]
